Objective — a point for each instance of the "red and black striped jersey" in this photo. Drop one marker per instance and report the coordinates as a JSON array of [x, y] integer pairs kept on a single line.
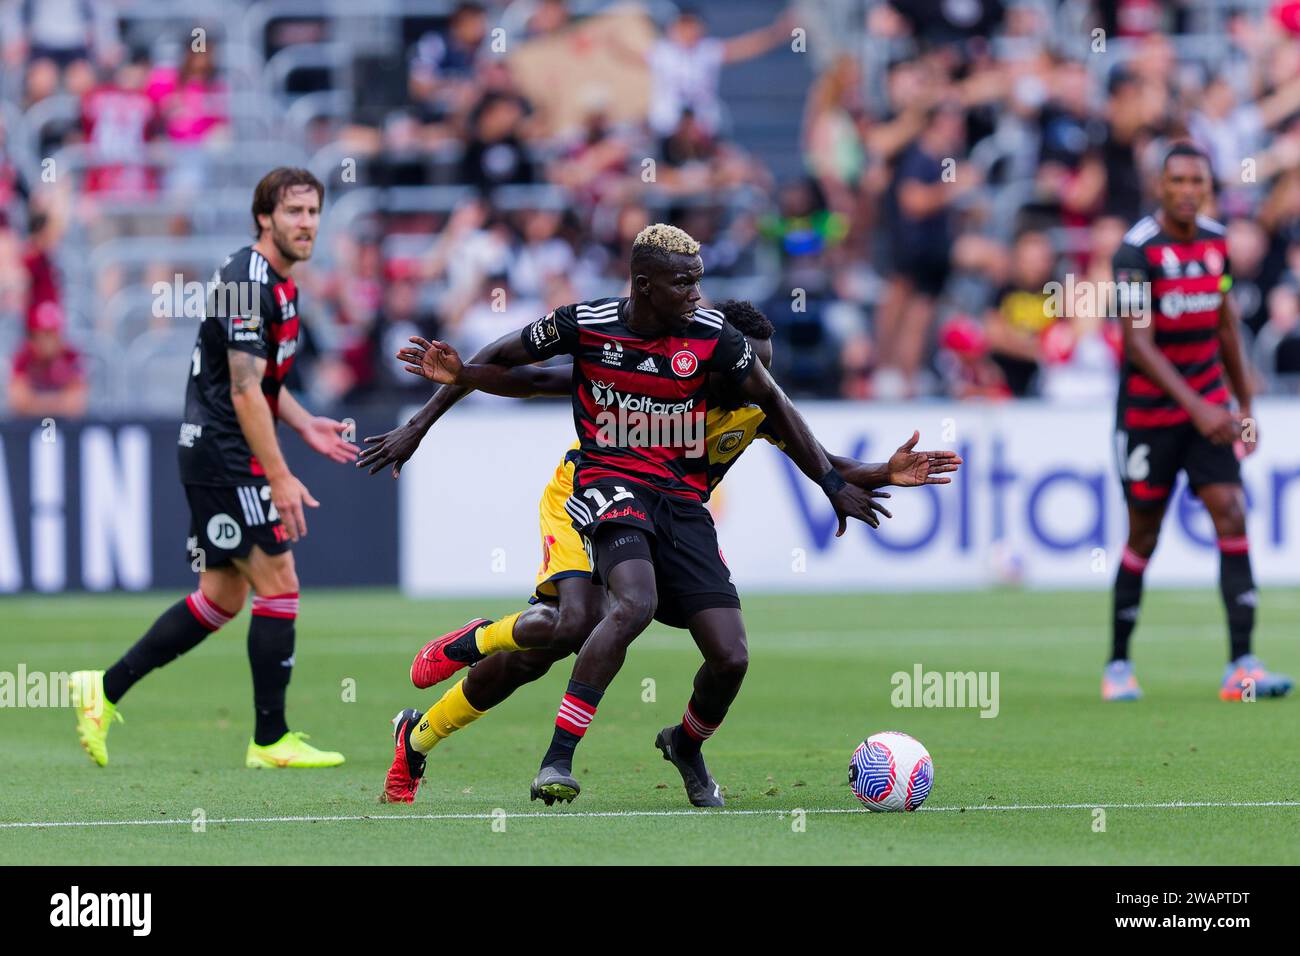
[[250, 308], [1187, 283], [623, 378]]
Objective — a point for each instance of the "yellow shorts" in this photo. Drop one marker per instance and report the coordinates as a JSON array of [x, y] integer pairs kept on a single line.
[[563, 555]]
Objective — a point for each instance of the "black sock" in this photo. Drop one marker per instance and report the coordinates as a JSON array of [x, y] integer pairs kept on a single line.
[[1126, 601], [1237, 585], [465, 648], [178, 629], [576, 712], [270, 653]]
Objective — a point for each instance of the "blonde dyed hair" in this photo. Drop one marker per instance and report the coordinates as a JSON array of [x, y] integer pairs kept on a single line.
[[665, 239]]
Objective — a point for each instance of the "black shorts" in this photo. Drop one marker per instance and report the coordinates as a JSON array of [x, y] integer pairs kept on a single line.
[[1149, 460], [225, 523], [690, 574]]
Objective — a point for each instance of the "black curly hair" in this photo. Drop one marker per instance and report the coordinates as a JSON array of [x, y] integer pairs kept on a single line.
[[746, 318]]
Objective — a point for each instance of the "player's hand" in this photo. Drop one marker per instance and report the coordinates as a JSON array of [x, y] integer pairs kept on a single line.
[[854, 502], [325, 435], [434, 360], [908, 468], [391, 448], [1217, 423], [290, 496]]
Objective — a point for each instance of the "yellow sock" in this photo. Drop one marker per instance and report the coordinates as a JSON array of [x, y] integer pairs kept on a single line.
[[498, 636], [444, 718]]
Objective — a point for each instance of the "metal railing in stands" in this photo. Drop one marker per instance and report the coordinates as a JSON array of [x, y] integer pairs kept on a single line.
[[240, 162]]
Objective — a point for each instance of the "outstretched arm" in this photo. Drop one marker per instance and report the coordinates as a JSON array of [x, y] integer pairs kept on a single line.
[[804, 450], [906, 468], [397, 446], [441, 363]]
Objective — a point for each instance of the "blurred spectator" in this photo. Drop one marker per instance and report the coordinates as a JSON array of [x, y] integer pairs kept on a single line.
[[541, 252], [470, 246], [686, 64], [191, 106], [1015, 326], [442, 65], [495, 151], [44, 231], [495, 310], [118, 119], [548, 17], [925, 188], [595, 166], [58, 41], [13, 186], [47, 377], [1125, 123], [964, 359], [802, 225], [1234, 134], [835, 126], [1071, 173], [1253, 271], [399, 318], [1277, 347]]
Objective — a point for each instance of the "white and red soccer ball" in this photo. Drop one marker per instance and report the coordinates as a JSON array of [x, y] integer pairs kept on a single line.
[[891, 771]]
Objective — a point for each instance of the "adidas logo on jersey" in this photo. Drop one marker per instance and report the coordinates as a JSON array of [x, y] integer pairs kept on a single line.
[[648, 365]]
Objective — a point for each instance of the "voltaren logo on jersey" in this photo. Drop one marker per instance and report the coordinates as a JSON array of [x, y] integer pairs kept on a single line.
[[640, 421], [1175, 304]]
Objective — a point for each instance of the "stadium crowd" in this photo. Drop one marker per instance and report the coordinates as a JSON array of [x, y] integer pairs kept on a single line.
[[950, 172]]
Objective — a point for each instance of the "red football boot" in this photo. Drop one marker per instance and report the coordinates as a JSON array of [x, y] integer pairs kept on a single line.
[[407, 771], [431, 665]]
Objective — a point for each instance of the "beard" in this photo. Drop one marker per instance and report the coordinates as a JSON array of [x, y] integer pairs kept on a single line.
[[284, 244]]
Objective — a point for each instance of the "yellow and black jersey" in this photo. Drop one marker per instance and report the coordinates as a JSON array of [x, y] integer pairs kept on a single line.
[[728, 432]]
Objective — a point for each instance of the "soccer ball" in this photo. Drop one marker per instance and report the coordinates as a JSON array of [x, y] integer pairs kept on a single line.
[[891, 772]]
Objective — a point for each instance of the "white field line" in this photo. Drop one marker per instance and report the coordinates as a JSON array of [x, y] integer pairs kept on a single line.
[[574, 814]]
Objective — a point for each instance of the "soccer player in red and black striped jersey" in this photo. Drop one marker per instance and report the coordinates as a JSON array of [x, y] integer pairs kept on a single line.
[[640, 371], [1183, 363], [246, 507]]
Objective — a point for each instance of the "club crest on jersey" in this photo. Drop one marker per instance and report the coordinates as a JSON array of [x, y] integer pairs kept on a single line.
[[685, 363], [1213, 261], [612, 354], [728, 442]]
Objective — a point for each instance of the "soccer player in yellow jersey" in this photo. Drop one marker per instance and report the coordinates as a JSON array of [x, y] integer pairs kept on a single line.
[[566, 605]]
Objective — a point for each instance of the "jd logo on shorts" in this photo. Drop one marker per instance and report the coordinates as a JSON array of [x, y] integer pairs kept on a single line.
[[224, 532]]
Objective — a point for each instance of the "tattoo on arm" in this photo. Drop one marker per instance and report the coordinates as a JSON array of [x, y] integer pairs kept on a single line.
[[245, 372]]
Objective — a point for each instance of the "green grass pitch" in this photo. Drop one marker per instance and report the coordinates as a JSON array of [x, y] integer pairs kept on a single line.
[[819, 681]]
